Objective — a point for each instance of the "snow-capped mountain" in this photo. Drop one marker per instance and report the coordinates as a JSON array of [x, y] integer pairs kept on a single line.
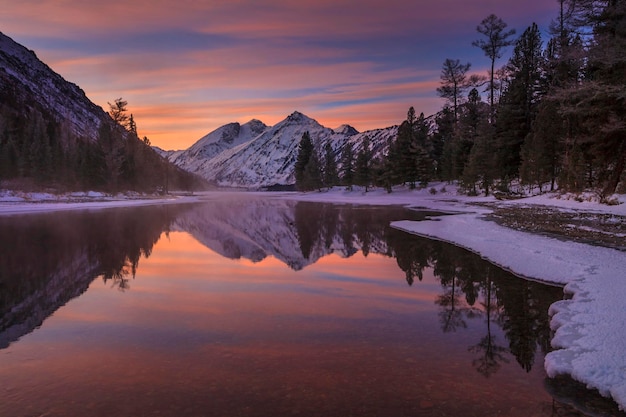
[[254, 155], [217, 142], [26, 82]]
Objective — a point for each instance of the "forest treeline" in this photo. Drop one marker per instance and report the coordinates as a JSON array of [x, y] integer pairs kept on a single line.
[[38, 151], [554, 115]]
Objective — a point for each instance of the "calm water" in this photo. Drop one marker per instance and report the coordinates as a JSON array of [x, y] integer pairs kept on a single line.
[[253, 307]]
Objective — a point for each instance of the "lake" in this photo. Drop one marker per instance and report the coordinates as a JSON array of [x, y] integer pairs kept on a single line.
[[245, 306]]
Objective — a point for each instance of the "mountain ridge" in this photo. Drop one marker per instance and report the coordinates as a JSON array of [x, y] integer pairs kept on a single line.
[[20, 66], [52, 136], [265, 157]]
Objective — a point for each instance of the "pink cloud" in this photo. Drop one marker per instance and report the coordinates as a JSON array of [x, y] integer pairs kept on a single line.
[[280, 56]]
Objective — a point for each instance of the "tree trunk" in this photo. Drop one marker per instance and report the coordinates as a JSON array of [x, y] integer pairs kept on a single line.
[[613, 182]]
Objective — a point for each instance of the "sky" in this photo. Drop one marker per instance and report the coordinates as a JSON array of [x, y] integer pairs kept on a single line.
[[187, 67]]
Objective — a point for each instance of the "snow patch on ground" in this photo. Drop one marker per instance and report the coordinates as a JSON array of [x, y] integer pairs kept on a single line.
[[17, 202]]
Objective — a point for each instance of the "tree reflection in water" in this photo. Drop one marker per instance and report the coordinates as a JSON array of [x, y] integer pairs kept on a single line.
[[472, 289], [49, 259]]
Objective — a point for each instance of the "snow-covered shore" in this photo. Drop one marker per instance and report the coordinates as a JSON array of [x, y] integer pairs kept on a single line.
[[590, 327], [24, 203]]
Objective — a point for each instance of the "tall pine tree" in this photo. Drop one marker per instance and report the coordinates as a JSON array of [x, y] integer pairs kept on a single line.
[[363, 165], [518, 106], [305, 151], [347, 166], [331, 175]]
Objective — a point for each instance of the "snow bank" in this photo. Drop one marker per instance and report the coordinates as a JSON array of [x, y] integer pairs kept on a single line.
[[13, 203], [590, 328]]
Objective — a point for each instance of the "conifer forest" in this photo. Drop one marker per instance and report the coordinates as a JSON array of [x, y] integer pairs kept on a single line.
[[552, 116]]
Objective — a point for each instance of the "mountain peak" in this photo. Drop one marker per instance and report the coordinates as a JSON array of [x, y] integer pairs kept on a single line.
[[346, 130], [296, 116], [256, 125], [263, 156]]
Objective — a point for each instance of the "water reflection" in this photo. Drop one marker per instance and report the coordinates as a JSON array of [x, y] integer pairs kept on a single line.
[[50, 259]]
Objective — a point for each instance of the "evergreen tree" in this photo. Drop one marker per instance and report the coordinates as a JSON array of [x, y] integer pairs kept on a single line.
[[363, 168], [132, 126], [111, 143], [596, 105], [564, 53], [331, 176], [607, 82], [493, 28], [542, 151], [387, 170], [347, 166], [475, 151], [453, 83], [421, 151], [404, 167], [313, 173], [117, 111], [305, 151], [402, 154], [517, 108], [443, 140], [92, 166]]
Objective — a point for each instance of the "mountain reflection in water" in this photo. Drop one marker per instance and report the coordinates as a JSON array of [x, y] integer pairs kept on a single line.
[[48, 260]]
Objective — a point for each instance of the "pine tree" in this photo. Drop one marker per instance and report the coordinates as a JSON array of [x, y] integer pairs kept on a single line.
[[543, 149], [305, 151], [472, 123], [403, 152], [363, 168], [313, 173], [387, 169], [404, 167], [423, 150], [444, 142], [475, 149], [493, 28], [132, 126], [453, 83], [517, 108], [117, 111], [331, 176], [347, 166], [607, 73], [595, 105]]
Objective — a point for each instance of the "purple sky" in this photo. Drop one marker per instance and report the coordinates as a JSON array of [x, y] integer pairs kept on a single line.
[[187, 67]]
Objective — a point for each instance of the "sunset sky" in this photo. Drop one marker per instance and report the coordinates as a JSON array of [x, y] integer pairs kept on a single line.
[[187, 67]]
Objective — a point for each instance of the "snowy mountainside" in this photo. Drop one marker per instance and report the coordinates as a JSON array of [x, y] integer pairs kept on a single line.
[[269, 158], [169, 155], [216, 142], [233, 156], [24, 79]]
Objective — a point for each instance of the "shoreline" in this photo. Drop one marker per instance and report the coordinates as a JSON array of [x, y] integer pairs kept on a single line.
[[589, 327]]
